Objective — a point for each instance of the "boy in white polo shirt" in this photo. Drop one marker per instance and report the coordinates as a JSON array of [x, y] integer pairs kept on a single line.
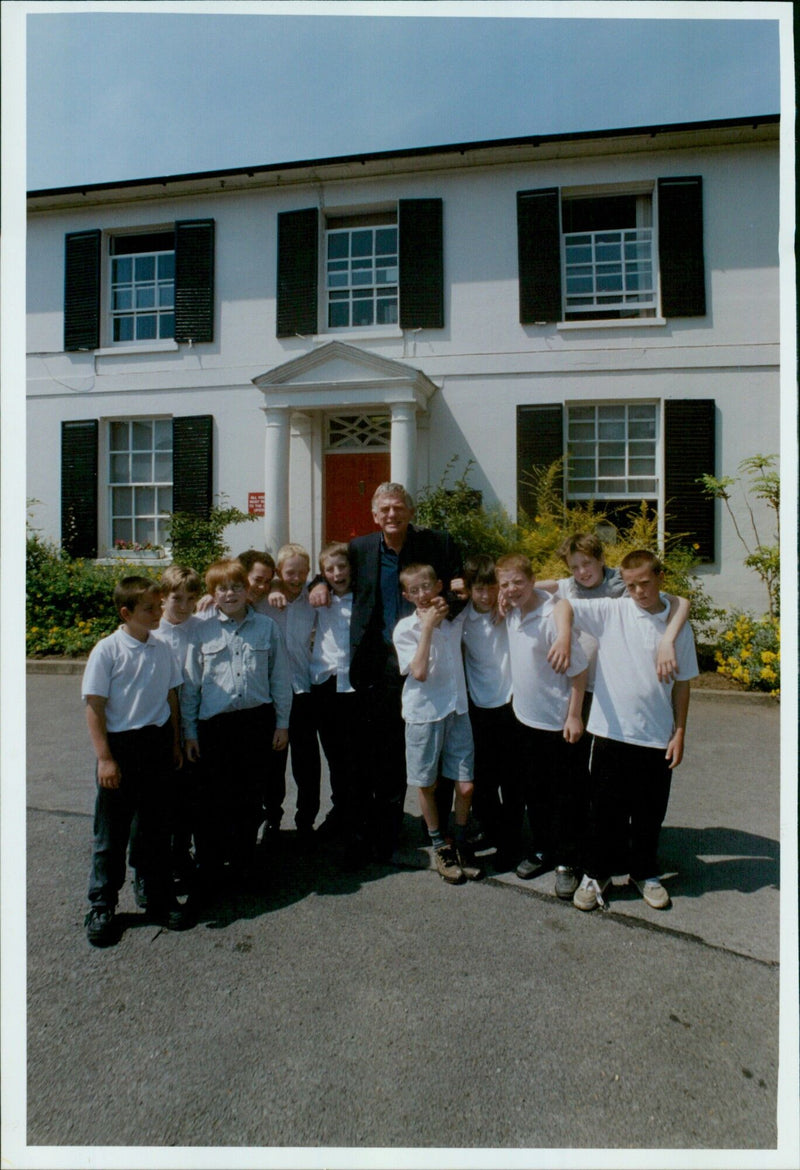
[[639, 724], [129, 687], [547, 705], [434, 706], [497, 802]]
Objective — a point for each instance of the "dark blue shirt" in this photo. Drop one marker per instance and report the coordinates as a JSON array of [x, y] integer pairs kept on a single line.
[[393, 604]]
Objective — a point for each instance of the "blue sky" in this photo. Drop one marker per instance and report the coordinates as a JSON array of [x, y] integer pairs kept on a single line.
[[127, 93]]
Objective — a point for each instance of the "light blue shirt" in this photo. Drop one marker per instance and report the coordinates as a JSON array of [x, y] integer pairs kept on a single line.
[[234, 666]]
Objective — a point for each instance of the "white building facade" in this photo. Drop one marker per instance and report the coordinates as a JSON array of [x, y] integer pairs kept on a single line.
[[290, 336]]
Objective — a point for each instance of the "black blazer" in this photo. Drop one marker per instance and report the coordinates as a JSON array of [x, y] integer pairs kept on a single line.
[[422, 546]]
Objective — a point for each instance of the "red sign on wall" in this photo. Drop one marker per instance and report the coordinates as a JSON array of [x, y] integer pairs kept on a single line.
[[255, 503]]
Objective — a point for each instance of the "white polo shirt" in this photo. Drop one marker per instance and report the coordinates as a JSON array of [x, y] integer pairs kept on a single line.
[[444, 690], [486, 659], [331, 651], [630, 704], [541, 696], [612, 585], [134, 678], [177, 637]]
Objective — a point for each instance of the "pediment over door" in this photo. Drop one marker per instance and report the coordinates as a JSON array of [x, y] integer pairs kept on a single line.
[[337, 374]]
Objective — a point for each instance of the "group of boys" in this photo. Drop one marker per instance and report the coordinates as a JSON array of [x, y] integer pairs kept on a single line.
[[193, 701]]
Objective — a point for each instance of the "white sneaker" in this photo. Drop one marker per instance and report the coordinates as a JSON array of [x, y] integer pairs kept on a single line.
[[590, 893], [653, 893]]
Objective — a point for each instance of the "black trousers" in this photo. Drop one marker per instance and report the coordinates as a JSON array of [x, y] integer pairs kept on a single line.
[[235, 748], [145, 761], [384, 753], [335, 719], [304, 748], [549, 794], [498, 799], [630, 788]]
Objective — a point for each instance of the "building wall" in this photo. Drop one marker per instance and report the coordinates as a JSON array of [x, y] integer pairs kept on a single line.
[[484, 361]]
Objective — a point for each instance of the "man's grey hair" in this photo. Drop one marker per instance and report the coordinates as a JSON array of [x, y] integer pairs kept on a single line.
[[393, 489]]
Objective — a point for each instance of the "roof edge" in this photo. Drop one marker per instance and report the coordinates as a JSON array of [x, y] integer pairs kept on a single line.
[[410, 152]]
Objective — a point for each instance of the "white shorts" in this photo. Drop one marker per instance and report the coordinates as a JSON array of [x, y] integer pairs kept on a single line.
[[449, 739]]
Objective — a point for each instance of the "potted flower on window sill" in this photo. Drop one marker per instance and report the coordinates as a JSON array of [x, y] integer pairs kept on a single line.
[[131, 550]]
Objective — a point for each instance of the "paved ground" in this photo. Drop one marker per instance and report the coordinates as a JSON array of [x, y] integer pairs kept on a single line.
[[389, 1010]]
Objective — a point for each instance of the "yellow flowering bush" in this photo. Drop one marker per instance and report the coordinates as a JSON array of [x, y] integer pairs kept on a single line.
[[749, 651]]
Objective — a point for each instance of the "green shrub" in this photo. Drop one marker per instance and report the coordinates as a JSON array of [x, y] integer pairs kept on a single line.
[[748, 650], [458, 509], [197, 541]]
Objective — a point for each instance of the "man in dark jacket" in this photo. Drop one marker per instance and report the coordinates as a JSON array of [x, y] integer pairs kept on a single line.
[[376, 561]]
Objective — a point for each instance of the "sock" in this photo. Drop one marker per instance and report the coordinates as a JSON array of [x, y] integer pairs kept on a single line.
[[437, 840], [461, 835]]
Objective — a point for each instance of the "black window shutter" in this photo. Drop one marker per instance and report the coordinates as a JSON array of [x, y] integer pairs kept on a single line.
[[298, 272], [82, 290], [689, 452], [680, 246], [421, 259], [539, 252], [192, 464], [79, 487], [194, 280], [540, 441]]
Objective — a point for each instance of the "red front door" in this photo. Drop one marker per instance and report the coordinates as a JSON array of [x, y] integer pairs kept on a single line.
[[350, 479]]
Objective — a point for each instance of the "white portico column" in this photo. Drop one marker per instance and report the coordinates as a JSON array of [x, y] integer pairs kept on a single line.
[[276, 477], [403, 447]]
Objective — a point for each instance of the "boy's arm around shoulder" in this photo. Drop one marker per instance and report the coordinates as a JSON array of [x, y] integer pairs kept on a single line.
[[573, 724], [666, 660], [559, 653]]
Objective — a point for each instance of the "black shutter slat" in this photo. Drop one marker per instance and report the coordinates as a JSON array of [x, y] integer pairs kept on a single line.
[[689, 452], [194, 280], [298, 272], [421, 260], [680, 246], [79, 487], [539, 255], [82, 290], [192, 464], [540, 441]]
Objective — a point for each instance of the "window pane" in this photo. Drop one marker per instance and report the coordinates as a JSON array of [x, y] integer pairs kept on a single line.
[[581, 431], [166, 325], [639, 410], [145, 267], [611, 430], [362, 278], [166, 295], [362, 312], [122, 501], [641, 467], [611, 467], [145, 297], [609, 412], [146, 328], [162, 471], [122, 270], [166, 266], [122, 530], [337, 279], [118, 436], [145, 501], [164, 499], [162, 431], [145, 531], [641, 450], [120, 469], [338, 245], [361, 243], [122, 298], [338, 315], [387, 312], [385, 241], [142, 435], [646, 486], [642, 430], [386, 276], [614, 486], [123, 328], [141, 468], [581, 468]]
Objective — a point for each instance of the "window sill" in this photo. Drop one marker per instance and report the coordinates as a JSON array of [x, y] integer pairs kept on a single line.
[[392, 332], [621, 323], [141, 347]]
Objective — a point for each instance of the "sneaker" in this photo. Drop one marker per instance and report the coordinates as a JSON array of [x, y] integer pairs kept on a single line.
[[468, 863], [653, 893], [590, 893], [566, 881], [528, 869], [447, 865], [101, 926]]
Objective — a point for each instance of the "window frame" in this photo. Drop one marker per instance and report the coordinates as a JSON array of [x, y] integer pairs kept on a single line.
[[615, 494], [338, 223], [110, 314], [158, 486]]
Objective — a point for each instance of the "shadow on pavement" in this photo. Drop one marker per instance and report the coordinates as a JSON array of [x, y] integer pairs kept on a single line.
[[716, 858]]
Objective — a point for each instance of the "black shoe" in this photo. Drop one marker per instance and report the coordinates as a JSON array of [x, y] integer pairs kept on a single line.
[[102, 928]]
